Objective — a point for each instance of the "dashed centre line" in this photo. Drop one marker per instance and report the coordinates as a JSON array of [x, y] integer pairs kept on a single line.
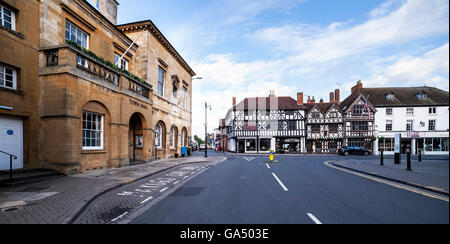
[[314, 219], [279, 182]]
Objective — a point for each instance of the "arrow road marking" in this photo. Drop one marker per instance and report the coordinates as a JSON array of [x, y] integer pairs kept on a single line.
[[249, 158]]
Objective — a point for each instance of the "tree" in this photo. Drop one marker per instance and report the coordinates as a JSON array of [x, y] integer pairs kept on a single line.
[[198, 140]]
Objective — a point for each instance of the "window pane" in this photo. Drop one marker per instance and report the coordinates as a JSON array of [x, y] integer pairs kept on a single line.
[[67, 31]]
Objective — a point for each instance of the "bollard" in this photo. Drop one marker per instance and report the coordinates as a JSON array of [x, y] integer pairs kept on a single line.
[[382, 159], [420, 155], [408, 160], [397, 158], [10, 168]]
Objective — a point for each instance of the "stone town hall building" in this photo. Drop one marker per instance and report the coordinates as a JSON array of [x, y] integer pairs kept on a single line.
[[64, 105]]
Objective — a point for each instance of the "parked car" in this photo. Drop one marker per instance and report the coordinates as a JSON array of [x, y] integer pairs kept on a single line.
[[202, 147], [351, 150]]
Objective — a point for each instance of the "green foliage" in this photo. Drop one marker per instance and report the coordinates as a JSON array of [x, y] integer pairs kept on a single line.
[[198, 140]]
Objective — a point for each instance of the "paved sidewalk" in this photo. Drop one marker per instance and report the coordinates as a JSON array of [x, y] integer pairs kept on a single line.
[[431, 174], [57, 201]]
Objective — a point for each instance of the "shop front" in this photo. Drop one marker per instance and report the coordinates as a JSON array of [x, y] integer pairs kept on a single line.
[[431, 143], [288, 145]]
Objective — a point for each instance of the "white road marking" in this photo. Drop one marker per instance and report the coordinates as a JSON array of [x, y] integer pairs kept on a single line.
[[314, 219], [249, 158], [279, 182], [119, 217], [268, 166], [146, 200], [165, 188]]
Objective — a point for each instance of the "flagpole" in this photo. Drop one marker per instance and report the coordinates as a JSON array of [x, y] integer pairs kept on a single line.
[[120, 59]]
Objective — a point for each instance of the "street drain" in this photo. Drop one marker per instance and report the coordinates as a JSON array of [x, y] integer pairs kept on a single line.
[[9, 209]]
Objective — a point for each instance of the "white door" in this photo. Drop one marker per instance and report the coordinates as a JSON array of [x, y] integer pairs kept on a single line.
[[11, 141]]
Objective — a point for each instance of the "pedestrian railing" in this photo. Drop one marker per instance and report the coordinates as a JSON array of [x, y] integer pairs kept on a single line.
[[11, 157]]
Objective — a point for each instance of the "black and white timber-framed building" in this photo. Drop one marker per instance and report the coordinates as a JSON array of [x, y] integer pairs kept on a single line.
[[324, 122], [263, 124]]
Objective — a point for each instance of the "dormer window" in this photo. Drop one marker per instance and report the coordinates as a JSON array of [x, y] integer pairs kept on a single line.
[[422, 96], [390, 96]]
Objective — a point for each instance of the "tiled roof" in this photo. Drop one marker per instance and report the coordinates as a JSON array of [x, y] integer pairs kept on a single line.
[[264, 103], [403, 96]]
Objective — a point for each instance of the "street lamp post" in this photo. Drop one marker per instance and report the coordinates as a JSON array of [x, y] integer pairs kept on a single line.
[[206, 128]]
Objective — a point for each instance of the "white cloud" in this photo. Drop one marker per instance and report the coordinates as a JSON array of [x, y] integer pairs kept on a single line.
[[430, 69], [415, 19]]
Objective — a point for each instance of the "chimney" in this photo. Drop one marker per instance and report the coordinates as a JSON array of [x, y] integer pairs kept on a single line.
[[309, 100], [337, 96], [331, 97], [358, 86], [234, 101], [109, 9], [313, 101], [272, 93], [321, 100], [300, 98]]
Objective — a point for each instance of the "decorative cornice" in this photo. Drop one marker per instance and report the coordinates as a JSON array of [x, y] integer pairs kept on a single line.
[[151, 27]]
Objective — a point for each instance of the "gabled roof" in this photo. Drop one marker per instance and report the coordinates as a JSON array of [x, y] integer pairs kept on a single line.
[[151, 27], [344, 105], [323, 107], [264, 103]]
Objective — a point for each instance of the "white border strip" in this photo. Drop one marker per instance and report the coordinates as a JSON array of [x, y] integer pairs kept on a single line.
[[314, 219]]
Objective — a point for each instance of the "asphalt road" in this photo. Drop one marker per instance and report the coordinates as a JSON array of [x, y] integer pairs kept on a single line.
[[298, 190]]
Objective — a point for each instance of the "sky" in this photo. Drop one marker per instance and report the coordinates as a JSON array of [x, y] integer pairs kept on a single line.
[[245, 48]]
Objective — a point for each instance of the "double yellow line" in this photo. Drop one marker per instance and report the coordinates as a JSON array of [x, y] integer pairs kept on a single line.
[[398, 185]]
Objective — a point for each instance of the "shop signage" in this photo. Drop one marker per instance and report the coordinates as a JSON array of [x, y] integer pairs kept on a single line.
[[398, 141]]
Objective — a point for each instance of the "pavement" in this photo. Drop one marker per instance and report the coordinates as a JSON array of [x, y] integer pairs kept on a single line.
[[60, 200], [430, 174]]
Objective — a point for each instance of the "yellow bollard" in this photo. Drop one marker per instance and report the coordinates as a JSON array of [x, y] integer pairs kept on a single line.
[[271, 156]]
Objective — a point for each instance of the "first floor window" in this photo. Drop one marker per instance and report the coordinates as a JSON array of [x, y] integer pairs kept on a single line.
[[184, 97], [7, 18], [75, 34], [432, 125], [8, 77], [92, 131], [388, 125], [409, 125], [315, 128], [334, 128], [123, 62], [161, 77], [409, 111]]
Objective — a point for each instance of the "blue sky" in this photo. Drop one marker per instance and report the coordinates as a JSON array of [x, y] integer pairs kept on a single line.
[[246, 48]]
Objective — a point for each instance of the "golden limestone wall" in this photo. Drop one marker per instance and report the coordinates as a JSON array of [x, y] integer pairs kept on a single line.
[[19, 49], [68, 90], [169, 112]]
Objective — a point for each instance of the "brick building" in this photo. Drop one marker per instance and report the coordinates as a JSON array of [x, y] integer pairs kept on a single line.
[[78, 110]]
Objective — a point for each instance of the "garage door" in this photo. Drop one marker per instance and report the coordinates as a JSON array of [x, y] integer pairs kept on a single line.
[[11, 141]]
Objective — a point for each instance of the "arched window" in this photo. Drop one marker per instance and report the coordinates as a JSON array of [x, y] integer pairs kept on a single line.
[[183, 138], [173, 136], [158, 137]]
